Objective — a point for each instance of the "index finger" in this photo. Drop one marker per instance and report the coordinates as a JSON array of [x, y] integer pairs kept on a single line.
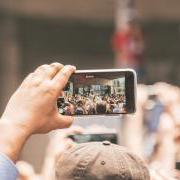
[[61, 78]]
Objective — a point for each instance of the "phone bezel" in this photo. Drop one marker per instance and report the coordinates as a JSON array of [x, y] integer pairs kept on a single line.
[[130, 76]]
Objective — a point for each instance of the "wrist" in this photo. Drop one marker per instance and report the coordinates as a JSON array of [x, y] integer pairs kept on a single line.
[[12, 139]]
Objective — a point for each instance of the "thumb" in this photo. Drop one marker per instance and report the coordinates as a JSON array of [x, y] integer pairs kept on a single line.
[[63, 121]]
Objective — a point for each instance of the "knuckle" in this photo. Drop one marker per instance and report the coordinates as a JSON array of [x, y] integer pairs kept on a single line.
[[44, 67], [57, 64], [56, 67]]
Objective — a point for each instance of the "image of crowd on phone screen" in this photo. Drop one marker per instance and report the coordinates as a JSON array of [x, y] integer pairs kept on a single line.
[[97, 96]]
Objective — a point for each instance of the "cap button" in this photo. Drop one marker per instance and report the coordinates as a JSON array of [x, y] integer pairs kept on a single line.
[[106, 143]]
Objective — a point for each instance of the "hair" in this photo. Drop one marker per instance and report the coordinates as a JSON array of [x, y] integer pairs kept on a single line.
[[101, 107]]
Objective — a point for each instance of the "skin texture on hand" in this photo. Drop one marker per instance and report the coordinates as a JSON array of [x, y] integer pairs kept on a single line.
[[32, 108]]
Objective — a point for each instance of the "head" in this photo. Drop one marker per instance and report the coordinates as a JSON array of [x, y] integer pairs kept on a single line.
[[100, 160], [79, 103], [101, 107]]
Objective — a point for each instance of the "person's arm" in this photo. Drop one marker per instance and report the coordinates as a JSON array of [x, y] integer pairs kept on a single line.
[[32, 108]]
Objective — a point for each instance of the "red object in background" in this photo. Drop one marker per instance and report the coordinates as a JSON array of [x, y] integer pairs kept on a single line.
[[128, 46]]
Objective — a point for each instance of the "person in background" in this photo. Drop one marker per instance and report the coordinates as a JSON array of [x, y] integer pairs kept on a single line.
[[162, 144], [128, 45]]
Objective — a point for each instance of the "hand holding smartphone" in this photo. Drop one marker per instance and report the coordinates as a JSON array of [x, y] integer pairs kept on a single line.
[[99, 92]]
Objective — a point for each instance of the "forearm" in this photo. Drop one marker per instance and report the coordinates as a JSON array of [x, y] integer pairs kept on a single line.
[[12, 139]]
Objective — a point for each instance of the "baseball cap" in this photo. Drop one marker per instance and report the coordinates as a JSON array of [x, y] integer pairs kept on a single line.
[[100, 161]]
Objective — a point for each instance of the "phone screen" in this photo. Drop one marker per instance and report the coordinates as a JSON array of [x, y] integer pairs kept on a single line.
[[94, 93]]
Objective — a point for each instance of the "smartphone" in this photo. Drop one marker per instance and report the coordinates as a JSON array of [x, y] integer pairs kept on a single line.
[[99, 92], [83, 138]]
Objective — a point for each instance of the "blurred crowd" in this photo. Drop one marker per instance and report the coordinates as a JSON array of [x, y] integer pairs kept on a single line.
[[153, 132], [91, 103]]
